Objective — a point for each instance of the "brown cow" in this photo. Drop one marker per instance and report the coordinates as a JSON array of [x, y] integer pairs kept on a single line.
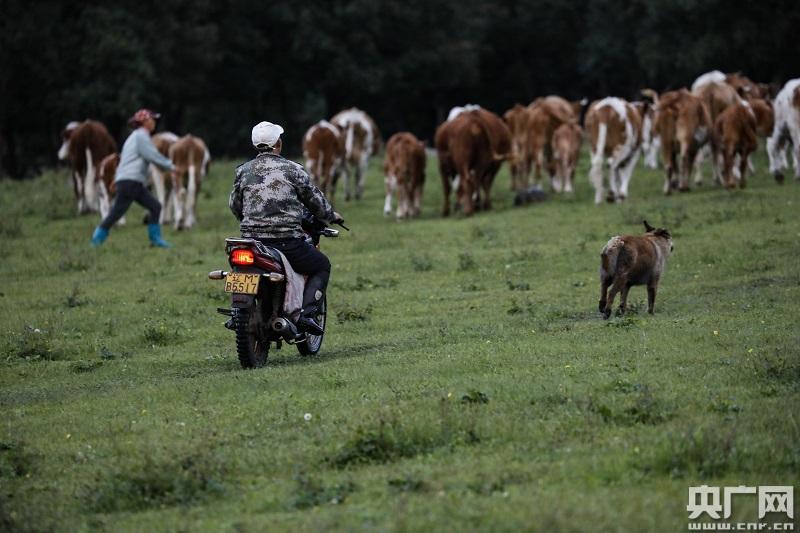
[[404, 168], [683, 124], [717, 97], [628, 260], [191, 158], [162, 141], [735, 138], [471, 148], [517, 120], [323, 150], [615, 132], [362, 139], [566, 148], [85, 144]]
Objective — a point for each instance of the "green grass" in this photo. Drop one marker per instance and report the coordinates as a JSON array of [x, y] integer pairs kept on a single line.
[[466, 380]]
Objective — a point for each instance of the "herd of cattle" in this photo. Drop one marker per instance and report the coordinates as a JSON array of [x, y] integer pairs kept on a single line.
[[720, 118]]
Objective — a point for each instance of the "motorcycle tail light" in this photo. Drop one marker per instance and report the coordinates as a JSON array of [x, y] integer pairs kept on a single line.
[[242, 257]]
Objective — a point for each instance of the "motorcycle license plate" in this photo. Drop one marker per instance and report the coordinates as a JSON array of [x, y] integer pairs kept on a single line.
[[242, 283]]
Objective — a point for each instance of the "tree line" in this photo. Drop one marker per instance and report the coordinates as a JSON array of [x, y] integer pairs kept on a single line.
[[215, 68]]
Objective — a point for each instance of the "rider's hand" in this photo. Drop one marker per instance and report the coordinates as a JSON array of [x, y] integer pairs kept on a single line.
[[337, 218]]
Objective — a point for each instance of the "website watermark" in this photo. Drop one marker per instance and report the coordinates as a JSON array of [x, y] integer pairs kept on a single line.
[[716, 503]]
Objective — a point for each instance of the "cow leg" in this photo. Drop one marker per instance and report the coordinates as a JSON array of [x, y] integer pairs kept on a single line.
[[77, 185], [169, 207], [89, 191], [391, 186], [417, 200], [190, 198], [743, 161], [596, 177], [102, 194], [702, 155], [157, 177], [727, 172], [361, 175], [794, 132], [776, 149], [626, 173], [688, 153]]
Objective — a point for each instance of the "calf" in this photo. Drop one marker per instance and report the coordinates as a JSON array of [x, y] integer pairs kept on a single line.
[[615, 131], [404, 168], [191, 159], [735, 139], [628, 260], [786, 130], [323, 150], [566, 149]]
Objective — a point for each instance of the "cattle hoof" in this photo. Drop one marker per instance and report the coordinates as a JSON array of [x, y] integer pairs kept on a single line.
[[779, 178], [602, 306], [684, 188], [606, 314]]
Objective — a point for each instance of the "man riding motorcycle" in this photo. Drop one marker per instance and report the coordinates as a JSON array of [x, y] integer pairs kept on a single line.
[[269, 198]]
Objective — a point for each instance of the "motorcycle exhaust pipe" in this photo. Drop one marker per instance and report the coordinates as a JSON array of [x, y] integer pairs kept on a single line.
[[286, 329]]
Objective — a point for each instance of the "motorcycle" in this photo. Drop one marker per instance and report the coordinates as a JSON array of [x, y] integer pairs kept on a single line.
[[257, 283]]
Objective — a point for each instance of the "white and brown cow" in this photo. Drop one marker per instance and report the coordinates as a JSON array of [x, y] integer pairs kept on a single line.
[[85, 145], [160, 180], [191, 158], [566, 148], [404, 168], [615, 132], [323, 150], [786, 131], [683, 124], [362, 139]]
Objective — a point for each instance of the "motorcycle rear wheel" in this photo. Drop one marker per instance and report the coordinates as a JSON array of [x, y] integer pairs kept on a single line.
[[312, 344], [250, 348]]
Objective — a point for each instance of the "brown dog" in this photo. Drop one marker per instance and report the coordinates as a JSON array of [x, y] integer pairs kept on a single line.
[[629, 260]]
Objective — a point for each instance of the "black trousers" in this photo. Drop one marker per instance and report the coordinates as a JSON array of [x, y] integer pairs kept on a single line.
[[306, 259], [129, 191]]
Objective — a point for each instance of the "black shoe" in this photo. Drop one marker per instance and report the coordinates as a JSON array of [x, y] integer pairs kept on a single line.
[[309, 325]]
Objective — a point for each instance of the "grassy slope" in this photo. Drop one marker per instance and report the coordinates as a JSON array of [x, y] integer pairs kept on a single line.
[[130, 412]]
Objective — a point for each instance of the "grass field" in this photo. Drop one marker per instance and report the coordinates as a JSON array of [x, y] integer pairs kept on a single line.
[[467, 381]]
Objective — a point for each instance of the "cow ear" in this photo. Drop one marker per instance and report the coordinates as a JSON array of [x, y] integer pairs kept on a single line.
[[647, 226]]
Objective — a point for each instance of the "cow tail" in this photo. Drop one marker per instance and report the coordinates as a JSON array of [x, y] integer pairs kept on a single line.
[[600, 149]]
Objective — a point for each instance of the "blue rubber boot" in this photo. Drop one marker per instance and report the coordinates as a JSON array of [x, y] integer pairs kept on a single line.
[[99, 236], [154, 233]]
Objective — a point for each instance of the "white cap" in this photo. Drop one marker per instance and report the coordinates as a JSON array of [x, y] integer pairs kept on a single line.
[[266, 134]]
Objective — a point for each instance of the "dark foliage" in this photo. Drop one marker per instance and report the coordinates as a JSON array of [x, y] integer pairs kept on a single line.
[[216, 68]]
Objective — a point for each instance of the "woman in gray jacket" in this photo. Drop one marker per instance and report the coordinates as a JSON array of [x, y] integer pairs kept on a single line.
[[137, 153]]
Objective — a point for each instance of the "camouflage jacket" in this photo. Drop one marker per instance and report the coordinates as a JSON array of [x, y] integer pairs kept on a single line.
[[270, 195]]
